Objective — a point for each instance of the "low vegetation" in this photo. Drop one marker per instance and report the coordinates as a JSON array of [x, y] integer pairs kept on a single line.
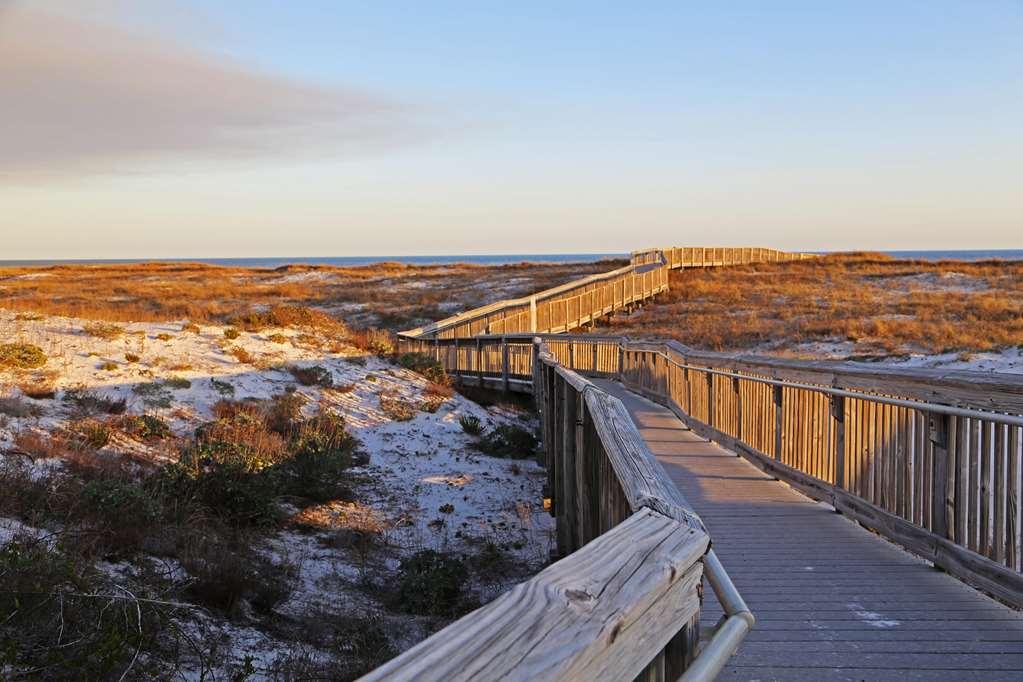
[[21, 356], [387, 295], [880, 305]]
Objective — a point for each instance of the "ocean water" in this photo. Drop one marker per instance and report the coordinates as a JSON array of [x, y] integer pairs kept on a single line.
[[978, 254], [343, 261], [487, 259]]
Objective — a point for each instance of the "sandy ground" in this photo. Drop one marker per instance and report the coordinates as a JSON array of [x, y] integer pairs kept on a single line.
[[425, 486]]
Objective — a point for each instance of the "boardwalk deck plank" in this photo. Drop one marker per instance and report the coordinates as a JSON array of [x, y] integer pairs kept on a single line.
[[833, 601]]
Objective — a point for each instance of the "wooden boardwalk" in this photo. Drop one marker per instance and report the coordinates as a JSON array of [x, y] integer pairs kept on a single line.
[[832, 600]]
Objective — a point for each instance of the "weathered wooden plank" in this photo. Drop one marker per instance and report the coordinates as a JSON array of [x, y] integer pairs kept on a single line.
[[602, 613], [641, 476]]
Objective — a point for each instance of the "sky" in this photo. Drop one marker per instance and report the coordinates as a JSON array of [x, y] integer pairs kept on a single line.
[[241, 128]]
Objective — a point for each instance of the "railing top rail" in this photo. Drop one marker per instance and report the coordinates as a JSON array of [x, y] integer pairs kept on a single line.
[[641, 476], [936, 408], [989, 391], [525, 300], [592, 615]]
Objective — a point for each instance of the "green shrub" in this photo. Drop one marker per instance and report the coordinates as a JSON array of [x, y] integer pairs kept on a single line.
[[223, 577], [224, 478], [430, 583], [153, 394], [89, 402], [120, 500], [321, 453], [425, 365], [285, 412], [471, 424], [59, 621], [317, 375], [224, 388], [21, 356], [508, 440], [231, 333], [146, 427]]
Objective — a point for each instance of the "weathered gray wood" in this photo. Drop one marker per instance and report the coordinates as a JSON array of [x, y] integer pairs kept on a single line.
[[602, 613], [641, 476], [814, 579]]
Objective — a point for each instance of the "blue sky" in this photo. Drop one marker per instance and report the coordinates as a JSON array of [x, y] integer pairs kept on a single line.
[[334, 128]]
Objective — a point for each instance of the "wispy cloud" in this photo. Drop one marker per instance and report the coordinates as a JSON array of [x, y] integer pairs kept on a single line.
[[77, 97]]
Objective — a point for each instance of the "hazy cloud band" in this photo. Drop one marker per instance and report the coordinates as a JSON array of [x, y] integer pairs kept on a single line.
[[78, 97]]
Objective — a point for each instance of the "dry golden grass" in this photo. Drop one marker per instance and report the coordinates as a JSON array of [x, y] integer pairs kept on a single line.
[[390, 295], [882, 305]]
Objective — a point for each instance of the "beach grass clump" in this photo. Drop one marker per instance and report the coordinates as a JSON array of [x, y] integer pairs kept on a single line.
[[104, 330], [21, 356], [508, 440], [397, 408], [231, 333], [376, 341], [471, 424], [291, 316], [241, 355], [316, 375], [145, 427]]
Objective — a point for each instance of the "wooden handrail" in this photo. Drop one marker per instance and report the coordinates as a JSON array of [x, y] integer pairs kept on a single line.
[[935, 467], [624, 602], [573, 304], [929, 458]]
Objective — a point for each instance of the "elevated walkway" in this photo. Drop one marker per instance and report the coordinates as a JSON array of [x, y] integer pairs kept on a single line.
[[833, 601]]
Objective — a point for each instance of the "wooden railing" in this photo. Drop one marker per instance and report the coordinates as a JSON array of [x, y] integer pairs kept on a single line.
[[675, 257], [624, 602], [560, 309], [930, 459]]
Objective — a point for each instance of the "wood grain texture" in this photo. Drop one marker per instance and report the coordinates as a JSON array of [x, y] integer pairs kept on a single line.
[[601, 613]]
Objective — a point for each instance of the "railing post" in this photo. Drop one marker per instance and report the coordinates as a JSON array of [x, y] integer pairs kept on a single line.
[[736, 392], [479, 361], [621, 361], [838, 421], [710, 398], [505, 369], [571, 355], [532, 314], [941, 503], [779, 423]]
